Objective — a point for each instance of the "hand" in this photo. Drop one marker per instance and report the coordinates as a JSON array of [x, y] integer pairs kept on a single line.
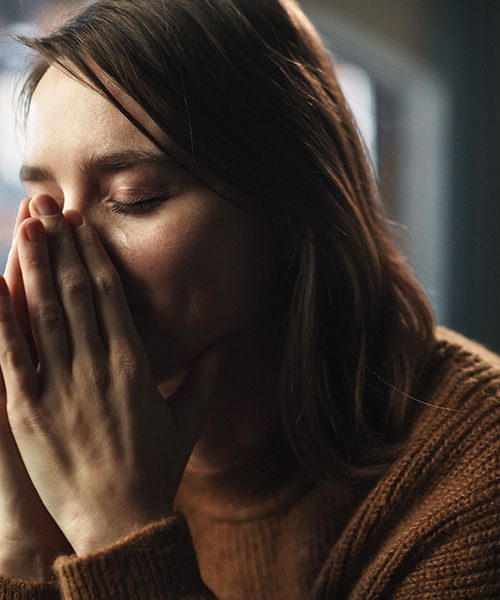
[[104, 450], [30, 540], [15, 281]]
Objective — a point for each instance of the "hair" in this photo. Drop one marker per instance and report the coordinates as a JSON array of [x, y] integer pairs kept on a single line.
[[249, 91]]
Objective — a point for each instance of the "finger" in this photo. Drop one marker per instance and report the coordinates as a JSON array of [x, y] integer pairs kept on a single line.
[[15, 281], [17, 369], [22, 214], [71, 280], [12, 269], [45, 312], [113, 313], [190, 401]]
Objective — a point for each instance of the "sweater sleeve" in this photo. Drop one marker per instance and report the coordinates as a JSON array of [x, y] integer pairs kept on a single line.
[[18, 589], [157, 561]]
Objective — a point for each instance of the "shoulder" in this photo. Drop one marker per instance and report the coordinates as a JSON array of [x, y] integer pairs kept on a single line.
[[460, 376], [451, 456], [460, 404], [428, 527], [466, 347]]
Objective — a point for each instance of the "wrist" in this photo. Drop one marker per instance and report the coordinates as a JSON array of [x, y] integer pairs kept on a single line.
[[28, 565], [112, 531]]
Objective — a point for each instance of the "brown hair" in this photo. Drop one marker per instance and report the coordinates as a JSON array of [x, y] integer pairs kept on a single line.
[[248, 89]]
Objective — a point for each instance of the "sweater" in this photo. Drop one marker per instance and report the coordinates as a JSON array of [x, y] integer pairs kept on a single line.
[[260, 530]]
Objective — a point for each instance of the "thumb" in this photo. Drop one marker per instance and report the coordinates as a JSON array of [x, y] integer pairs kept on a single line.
[[189, 403]]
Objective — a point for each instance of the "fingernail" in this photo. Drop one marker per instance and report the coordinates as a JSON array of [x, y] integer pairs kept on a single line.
[[35, 232], [74, 218], [45, 206]]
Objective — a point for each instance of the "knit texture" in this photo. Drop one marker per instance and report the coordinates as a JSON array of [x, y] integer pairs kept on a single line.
[[16, 589], [259, 529]]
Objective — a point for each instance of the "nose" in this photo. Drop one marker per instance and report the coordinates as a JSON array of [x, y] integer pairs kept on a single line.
[[74, 201], [88, 208]]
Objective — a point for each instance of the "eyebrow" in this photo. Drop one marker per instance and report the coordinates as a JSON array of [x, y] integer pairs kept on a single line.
[[104, 163]]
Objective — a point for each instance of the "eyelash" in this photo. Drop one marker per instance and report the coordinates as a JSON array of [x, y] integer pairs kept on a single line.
[[138, 205]]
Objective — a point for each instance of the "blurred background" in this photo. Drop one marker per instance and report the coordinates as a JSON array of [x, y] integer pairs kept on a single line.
[[423, 81]]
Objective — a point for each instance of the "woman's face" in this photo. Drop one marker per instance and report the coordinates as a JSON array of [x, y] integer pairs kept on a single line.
[[194, 267]]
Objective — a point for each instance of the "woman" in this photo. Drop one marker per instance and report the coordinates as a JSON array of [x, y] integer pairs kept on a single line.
[[220, 377]]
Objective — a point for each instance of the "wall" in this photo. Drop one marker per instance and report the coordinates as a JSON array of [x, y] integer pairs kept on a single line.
[[456, 41]]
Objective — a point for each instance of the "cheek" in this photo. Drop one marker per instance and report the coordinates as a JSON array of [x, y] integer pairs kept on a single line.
[[209, 274], [162, 261], [156, 261]]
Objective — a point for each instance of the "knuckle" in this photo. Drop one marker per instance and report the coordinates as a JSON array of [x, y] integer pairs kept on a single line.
[[56, 228], [49, 315], [126, 362], [107, 284], [95, 373], [75, 285], [35, 262], [23, 418], [14, 357], [99, 377], [87, 238]]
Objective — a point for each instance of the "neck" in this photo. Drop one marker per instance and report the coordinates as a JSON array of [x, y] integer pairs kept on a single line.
[[245, 409]]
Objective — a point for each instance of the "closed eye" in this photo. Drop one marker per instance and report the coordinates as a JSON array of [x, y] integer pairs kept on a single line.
[[138, 205]]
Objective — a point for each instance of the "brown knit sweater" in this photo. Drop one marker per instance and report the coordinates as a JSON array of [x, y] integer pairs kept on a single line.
[[429, 529]]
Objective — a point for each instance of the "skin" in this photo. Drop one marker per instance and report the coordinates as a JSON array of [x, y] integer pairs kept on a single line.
[[183, 277]]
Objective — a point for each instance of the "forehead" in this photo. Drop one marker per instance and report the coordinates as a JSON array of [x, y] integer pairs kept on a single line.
[[66, 115], [69, 122]]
